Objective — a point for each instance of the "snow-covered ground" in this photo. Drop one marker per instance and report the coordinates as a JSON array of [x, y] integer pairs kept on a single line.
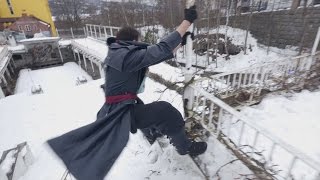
[[294, 118], [51, 79], [40, 117], [258, 55]]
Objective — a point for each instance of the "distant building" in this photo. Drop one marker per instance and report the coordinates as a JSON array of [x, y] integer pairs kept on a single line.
[[30, 25], [39, 9]]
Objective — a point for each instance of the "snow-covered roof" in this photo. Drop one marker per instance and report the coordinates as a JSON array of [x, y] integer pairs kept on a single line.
[[40, 39], [17, 49], [92, 46]]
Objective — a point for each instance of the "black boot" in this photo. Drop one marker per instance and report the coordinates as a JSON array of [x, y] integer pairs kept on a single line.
[[186, 146], [151, 134], [197, 148]]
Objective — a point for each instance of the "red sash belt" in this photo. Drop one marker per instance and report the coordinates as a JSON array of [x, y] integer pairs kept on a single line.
[[120, 98]]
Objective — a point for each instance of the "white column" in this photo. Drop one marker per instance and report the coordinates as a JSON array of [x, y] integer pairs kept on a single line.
[[11, 68], [14, 65], [79, 59], [95, 32], [111, 32], [1, 96], [8, 73], [92, 65], [72, 33], [105, 32], [101, 70], [74, 55], [85, 61], [4, 80], [316, 43], [91, 31], [99, 31], [60, 53]]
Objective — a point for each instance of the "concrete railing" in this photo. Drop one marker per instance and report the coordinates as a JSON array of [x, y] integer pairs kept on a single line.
[[5, 56], [219, 118]]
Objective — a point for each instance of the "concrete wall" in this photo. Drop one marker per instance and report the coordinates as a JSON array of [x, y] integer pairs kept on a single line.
[[279, 28]]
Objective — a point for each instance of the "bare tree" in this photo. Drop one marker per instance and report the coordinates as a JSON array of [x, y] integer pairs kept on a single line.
[[69, 12]]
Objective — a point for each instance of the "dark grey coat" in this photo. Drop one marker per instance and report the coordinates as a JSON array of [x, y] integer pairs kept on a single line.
[[90, 151]]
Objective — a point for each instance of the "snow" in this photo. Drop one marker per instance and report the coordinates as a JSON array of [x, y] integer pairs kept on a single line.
[[167, 72], [47, 115], [93, 46], [64, 43], [41, 117], [258, 55], [50, 80], [294, 118], [19, 47], [40, 39], [8, 162]]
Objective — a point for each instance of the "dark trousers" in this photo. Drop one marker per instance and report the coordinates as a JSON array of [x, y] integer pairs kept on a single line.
[[162, 117]]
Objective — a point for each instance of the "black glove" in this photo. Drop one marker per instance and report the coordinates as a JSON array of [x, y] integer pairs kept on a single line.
[[184, 38], [190, 14]]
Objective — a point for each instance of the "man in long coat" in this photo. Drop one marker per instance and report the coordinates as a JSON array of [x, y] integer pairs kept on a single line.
[[90, 151]]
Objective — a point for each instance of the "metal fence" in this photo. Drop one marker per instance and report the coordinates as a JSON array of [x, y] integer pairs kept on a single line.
[[289, 72], [219, 118], [101, 32], [71, 33]]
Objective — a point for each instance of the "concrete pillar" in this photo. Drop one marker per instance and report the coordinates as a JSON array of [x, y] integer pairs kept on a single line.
[[74, 55], [4, 80], [14, 65], [60, 52], [79, 59], [11, 68], [8, 73], [1, 96], [101, 70], [105, 32], [85, 62], [92, 65]]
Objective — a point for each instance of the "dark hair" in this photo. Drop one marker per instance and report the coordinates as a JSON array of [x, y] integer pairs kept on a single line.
[[128, 34]]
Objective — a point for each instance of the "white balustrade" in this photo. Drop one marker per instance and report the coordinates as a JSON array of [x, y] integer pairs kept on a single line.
[[217, 117]]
